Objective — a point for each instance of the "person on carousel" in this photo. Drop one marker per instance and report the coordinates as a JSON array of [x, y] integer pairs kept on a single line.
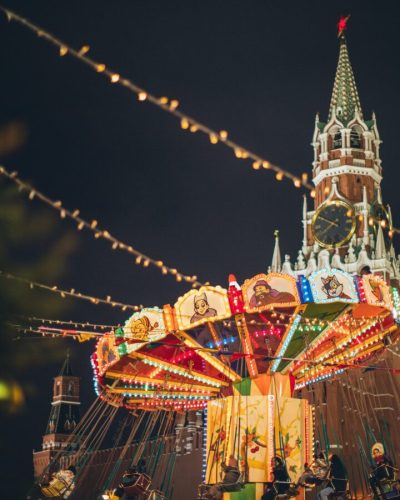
[[382, 471], [281, 482], [337, 478], [316, 473], [231, 476]]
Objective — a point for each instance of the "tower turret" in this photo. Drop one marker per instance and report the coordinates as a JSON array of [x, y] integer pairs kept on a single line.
[[64, 416], [349, 219]]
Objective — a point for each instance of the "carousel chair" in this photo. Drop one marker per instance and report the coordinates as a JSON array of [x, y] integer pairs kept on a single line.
[[341, 493], [156, 495], [60, 486], [135, 483], [390, 488], [291, 492], [227, 487]]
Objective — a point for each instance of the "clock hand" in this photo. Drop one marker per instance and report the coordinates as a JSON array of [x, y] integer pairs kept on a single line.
[[331, 222]]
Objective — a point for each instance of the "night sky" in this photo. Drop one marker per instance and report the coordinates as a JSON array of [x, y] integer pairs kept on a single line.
[[259, 69]]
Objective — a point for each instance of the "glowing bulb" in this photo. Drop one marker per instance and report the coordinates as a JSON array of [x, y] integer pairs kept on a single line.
[[84, 50], [63, 51], [174, 104], [213, 138], [256, 165], [100, 68], [266, 165], [279, 176], [184, 124], [163, 100], [115, 78], [142, 96], [223, 135], [297, 183]]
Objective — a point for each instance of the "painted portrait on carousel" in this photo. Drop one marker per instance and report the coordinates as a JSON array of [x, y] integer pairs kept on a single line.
[[333, 285], [107, 352], [145, 326], [267, 290], [377, 292], [205, 305]]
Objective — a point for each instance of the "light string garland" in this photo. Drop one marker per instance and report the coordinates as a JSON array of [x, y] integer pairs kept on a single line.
[[140, 258], [71, 323], [70, 293], [170, 106], [164, 103]]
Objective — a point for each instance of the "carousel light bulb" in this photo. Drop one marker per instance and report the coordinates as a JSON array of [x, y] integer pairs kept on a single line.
[[256, 165], [266, 165], [223, 135], [115, 78], [142, 96], [100, 68], [63, 51]]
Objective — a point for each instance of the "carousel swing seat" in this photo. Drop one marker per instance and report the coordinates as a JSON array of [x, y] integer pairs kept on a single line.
[[290, 493], [390, 488], [58, 487], [225, 487], [156, 495], [136, 483], [343, 492]]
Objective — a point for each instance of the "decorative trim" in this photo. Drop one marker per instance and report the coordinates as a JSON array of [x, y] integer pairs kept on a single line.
[[347, 169]]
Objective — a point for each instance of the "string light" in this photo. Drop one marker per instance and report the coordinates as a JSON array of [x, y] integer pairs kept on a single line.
[[69, 293], [93, 226], [72, 323], [170, 106]]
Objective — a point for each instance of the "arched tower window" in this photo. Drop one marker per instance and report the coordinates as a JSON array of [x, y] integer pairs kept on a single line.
[[70, 388], [337, 140], [355, 139]]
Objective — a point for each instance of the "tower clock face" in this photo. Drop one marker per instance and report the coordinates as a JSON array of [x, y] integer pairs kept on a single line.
[[333, 224]]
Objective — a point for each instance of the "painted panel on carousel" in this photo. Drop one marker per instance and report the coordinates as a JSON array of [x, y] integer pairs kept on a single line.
[[289, 423], [333, 285], [205, 305], [242, 427], [264, 291], [107, 352], [377, 292], [144, 326]]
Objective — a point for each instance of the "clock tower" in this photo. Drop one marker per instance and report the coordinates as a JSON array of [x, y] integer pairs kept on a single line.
[[349, 227]]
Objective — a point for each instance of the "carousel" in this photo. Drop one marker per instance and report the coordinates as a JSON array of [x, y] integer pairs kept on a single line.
[[239, 355]]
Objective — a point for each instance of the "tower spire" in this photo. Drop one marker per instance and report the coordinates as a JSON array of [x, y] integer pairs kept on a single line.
[[276, 258], [345, 100]]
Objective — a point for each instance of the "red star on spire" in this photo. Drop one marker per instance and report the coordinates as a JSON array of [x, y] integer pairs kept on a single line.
[[342, 25]]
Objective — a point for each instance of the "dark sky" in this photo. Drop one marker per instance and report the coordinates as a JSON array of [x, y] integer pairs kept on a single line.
[[259, 69]]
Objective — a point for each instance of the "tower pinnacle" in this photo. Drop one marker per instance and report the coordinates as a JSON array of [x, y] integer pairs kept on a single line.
[[345, 100], [276, 258]]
